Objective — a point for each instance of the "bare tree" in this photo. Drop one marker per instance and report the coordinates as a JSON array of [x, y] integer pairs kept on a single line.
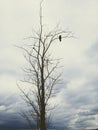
[[42, 72]]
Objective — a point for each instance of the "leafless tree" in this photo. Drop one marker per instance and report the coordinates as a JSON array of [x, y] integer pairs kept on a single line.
[[42, 72]]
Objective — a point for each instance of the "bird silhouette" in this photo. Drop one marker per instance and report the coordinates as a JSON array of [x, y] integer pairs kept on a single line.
[[60, 38]]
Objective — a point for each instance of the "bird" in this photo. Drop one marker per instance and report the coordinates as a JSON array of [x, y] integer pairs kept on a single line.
[[60, 38]]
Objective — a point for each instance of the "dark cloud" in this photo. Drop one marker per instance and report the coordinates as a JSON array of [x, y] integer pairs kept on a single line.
[[8, 99], [89, 114], [81, 107], [11, 121], [9, 113], [78, 107], [83, 124]]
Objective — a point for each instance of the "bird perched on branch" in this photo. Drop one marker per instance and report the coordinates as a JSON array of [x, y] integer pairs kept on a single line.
[[60, 38]]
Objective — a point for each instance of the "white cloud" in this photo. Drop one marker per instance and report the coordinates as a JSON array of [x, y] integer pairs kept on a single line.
[[79, 58], [2, 108], [8, 84]]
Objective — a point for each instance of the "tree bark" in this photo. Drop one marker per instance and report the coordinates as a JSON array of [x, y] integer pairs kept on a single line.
[[42, 119]]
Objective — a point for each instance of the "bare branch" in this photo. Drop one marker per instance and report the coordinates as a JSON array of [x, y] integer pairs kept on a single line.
[[42, 71]]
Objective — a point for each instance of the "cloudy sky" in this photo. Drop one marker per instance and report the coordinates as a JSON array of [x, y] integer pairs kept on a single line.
[[78, 99]]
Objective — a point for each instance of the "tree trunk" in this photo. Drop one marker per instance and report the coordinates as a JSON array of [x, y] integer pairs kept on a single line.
[[42, 119], [43, 122]]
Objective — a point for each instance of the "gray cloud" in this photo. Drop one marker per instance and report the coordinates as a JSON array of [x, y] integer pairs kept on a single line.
[[92, 53], [79, 105], [9, 109], [78, 97]]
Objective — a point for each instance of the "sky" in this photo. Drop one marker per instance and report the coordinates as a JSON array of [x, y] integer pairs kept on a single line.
[[78, 98]]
